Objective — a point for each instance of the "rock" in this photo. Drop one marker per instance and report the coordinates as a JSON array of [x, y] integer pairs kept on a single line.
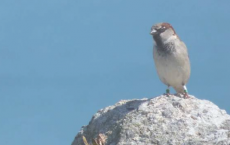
[[159, 121]]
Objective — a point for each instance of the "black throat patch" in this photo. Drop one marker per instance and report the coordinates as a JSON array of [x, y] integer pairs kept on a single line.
[[165, 49]]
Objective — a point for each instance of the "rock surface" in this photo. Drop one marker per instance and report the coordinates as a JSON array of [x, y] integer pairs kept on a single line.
[[159, 121]]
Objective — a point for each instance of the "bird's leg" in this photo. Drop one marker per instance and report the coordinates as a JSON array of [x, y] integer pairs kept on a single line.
[[167, 91], [185, 92]]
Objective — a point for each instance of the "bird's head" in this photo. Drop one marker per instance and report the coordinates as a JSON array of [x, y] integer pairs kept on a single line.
[[162, 31]]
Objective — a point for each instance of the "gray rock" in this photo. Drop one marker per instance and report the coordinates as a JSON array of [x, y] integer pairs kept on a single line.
[[159, 121]]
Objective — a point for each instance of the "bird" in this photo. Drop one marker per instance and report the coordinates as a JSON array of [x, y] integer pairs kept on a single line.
[[171, 58]]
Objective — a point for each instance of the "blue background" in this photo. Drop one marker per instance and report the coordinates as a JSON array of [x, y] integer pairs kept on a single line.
[[62, 60]]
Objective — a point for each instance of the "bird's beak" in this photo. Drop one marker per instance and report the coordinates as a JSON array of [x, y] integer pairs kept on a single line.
[[153, 31]]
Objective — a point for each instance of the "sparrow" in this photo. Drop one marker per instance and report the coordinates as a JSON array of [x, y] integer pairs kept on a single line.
[[171, 58]]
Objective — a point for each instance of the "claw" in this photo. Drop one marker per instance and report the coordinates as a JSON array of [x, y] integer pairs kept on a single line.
[[167, 94], [186, 96]]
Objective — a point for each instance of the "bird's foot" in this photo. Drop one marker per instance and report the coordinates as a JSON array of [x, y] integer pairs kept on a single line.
[[182, 95], [186, 96], [167, 94]]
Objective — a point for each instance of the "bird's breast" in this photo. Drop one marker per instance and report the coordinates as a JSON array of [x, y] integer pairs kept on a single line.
[[172, 67]]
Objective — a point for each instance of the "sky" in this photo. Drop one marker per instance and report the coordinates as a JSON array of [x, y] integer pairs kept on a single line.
[[63, 60]]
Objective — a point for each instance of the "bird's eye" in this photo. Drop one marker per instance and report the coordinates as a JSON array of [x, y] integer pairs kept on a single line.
[[163, 27]]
